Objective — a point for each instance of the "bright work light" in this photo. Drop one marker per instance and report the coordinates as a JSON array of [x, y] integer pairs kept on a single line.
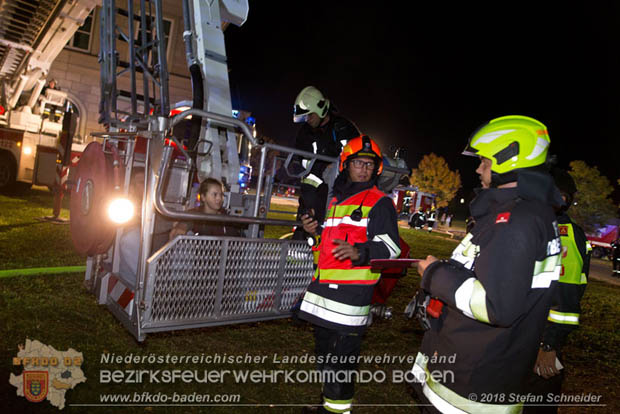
[[120, 210]]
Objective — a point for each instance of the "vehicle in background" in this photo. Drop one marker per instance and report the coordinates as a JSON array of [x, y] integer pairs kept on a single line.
[[31, 112], [601, 240]]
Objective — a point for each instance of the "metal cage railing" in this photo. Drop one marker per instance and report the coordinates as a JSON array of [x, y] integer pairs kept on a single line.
[[198, 281]]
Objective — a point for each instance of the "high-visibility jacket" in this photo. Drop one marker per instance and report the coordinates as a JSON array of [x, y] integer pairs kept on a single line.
[[565, 310], [497, 289], [340, 293], [340, 225]]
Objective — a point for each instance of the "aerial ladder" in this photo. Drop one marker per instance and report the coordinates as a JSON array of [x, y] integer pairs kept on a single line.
[[32, 145], [190, 281]]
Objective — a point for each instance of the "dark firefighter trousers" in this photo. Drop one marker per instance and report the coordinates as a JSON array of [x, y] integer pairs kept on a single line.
[[334, 351]]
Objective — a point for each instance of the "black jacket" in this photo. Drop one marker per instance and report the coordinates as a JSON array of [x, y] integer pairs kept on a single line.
[[328, 139], [497, 288]]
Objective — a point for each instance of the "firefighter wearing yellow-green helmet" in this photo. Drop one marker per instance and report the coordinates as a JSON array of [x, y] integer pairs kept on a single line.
[[500, 281], [511, 142], [310, 100]]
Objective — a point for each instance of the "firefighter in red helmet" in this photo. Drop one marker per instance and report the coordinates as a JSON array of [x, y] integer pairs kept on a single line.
[[360, 225]]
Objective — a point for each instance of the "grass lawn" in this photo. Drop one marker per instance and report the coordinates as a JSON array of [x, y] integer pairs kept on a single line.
[[58, 311]]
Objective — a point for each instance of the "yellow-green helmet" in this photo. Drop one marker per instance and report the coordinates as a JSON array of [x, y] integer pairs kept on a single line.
[[511, 143]]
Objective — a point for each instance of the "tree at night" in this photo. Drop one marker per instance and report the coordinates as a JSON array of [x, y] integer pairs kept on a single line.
[[593, 207], [434, 176]]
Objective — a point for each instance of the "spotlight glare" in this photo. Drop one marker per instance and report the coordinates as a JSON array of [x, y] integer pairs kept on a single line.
[[120, 210]]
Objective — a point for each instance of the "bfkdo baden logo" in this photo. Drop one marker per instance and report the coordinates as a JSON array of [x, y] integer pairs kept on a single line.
[[35, 385], [47, 373]]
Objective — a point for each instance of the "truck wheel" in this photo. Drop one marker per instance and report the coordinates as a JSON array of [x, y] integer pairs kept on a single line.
[[7, 172], [598, 252]]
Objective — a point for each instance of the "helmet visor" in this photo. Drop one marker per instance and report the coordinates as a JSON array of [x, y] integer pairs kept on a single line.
[[469, 150], [300, 114]]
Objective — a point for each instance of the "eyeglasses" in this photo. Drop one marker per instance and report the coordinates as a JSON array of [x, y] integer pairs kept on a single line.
[[369, 165]]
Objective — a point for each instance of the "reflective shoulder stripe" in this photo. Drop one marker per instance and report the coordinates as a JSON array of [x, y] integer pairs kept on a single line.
[[544, 280], [471, 299], [563, 317], [312, 179], [392, 247], [479, 302], [547, 265], [449, 402], [466, 252], [588, 246], [546, 272], [462, 296]]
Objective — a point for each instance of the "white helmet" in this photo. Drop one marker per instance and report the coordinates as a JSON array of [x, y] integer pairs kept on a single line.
[[310, 100]]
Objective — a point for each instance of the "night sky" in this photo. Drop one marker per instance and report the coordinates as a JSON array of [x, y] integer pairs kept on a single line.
[[426, 76]]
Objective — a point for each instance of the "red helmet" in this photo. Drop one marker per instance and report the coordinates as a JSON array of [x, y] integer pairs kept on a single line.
[[362, 146]]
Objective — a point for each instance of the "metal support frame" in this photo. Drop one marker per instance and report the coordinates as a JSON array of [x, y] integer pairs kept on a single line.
[[194, 281], [149, 58]]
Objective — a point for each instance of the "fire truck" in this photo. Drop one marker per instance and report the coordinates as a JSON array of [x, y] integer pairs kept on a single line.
[[602, 238], [32, 114]]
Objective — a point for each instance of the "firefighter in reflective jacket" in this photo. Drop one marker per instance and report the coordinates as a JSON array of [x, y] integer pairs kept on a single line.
[[498, 284], [361, 224], [615, 257], [548, 374], [325, 133]]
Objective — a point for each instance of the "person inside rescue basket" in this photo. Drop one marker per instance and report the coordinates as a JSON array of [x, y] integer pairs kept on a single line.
[[361, 224], [497, 287], [212, 200]]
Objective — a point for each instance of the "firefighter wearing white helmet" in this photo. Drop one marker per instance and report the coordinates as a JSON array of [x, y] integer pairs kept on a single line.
[[497, 287], [323, 132], [310, 101]]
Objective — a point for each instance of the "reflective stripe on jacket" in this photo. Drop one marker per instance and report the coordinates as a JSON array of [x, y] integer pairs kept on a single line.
[[565, 310], [497, 289], [340, 225], [340, 304]]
